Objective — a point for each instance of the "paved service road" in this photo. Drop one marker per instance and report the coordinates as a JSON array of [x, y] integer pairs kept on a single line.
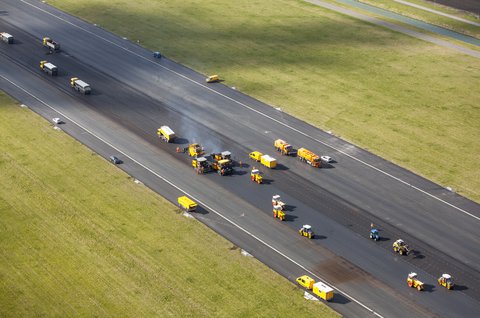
[[133, 95], [402, 29]]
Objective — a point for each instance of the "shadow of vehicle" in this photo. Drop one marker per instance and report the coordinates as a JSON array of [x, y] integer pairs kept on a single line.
[[180, 141], [428, 288], [238, 173], [417, 254], [281, 167], [290, 218]]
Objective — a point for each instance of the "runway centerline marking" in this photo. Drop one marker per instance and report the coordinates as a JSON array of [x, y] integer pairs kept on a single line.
[[195, 198], [262, 114]]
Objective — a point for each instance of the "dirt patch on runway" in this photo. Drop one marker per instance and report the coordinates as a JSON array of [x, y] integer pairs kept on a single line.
[[340, 270]]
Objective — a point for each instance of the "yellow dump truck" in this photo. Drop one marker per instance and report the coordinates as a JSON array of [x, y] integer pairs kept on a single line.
[[195, 150], [187, 204], [268, 161], [166, 133], [80, 86], [48, 68], [283, 147], [306, 281], [309, 157], [51, 44], [323, 291]]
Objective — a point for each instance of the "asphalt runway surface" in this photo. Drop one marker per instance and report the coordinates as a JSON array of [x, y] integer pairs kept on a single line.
[[133, 95]]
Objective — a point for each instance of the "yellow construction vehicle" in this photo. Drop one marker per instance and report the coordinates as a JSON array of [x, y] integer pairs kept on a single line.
[[223, 167], [195, 150], [306, 231], [212, 79], [400, 247], [224, 155], [256, 155], [201, 165], [309, 157], [446, 281], [278, 213], [276, 201], [166, 133], [48, 68], [268, 161], [413, 282], [283, 147], [51, 44], [80, 86], [255, 176], [323, 291], [306, 281], [187, 204]]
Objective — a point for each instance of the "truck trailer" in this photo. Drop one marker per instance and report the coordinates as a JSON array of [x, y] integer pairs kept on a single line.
[[80, 86], [309, 157], [51, 44], [48, 68], [6, 37]]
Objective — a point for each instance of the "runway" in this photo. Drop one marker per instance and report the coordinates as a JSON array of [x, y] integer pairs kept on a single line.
[[133, 95]]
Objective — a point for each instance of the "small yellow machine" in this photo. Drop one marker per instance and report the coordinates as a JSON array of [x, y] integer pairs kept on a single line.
[[277, 200], [306, 231], [256, 155], [255, 176], [278, 213], [413, 281], [323, 291], [186, 204], [400, 247], [306, 281], [195, 150], [212, 79], [446, 281], [166, 133]]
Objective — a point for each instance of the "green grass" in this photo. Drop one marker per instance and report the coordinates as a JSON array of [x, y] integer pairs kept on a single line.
[[409, 101], [78, 238], [430, 17]]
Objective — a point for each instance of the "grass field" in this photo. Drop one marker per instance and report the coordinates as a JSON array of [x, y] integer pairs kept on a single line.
[[409, 101], [430, 17], [78, 238]]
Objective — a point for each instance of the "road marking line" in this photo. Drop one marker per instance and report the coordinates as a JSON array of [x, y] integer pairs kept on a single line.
[[260, 113], [186, 193]]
